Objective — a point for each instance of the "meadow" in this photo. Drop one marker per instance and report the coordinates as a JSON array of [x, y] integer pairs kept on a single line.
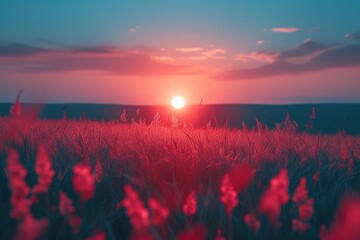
[[81, 179]]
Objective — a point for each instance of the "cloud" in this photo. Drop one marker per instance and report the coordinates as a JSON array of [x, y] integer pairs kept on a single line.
[[353, 35], [313, 30], [18, 49], [339, 57], [285, 29], [307, 49], [163, 58], [134, 29], [92, 49], [257, 56], [189, 50], [216, 53], [23, 50], [304, 49], [260, 42], [91, 58]]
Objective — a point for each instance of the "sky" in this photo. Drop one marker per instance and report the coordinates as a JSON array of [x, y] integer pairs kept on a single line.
[[145, 52]]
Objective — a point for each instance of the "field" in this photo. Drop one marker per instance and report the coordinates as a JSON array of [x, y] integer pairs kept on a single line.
[[81, 179]]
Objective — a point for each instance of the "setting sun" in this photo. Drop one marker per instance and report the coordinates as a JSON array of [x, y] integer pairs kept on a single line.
[[178, 102]]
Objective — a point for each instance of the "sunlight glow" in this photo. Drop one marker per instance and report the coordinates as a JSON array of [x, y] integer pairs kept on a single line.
[[178, 102]]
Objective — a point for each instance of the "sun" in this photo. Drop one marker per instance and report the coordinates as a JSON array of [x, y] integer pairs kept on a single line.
[[178, 102]]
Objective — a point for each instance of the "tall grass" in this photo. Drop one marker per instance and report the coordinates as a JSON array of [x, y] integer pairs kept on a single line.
[[138, 181]]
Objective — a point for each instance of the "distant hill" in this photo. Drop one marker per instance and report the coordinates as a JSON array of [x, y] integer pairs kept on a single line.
[[330, 118]]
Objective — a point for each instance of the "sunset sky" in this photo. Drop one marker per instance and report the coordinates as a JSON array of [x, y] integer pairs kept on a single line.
[[146, 52]]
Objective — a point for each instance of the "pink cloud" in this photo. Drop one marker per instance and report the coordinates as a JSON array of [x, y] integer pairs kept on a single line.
[[260, 42], [163, 58], [285, 29], [327, 58], [23, 58], [257, 56], [189, 50], [216, 53]]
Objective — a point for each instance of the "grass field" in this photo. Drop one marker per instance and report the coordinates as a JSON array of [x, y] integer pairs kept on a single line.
[[78, 179]]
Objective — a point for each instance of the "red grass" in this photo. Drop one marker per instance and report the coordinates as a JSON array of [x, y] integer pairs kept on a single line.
[[178, 183]]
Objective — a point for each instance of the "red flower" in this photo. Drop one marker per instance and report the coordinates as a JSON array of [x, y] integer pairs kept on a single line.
[[67, 209], [301, 193], [300, 226], [305, 206], [135, 210], [44, 171], [31, 228], [189, 206], [241, 175], [15, 109], [16, 174], [253, 222], [228, 194], [159, 212], [83, 181], [347, 224], [98, 236], [306, 210], [197, 232], [275, 196]]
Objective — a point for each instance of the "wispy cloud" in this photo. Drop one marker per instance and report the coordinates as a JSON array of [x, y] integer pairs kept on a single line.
[[260, 42], [23, 50], [18, 49], [94, 58], [163, 58], [285, 29], [308, 47], [134, 29], [257, 56], [216, 53], [328, 58], [353, 35], [189, 50], [313, 30]]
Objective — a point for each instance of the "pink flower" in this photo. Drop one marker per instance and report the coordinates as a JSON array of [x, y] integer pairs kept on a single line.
[[135, 210], [306, 210], [189, 206], [67, 209], [83, 181], [347, 224], [275, 196], [98, 236], [300, 226], [241, 175], [159, 212], [228, 194], [15, 109], [31, 228], [305, 206], [301, 193], [16, 175], [44, 171], [197, 232], [253, 222]]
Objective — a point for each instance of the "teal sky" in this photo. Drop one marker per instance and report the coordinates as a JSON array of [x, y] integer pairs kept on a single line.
[[145, 52]]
